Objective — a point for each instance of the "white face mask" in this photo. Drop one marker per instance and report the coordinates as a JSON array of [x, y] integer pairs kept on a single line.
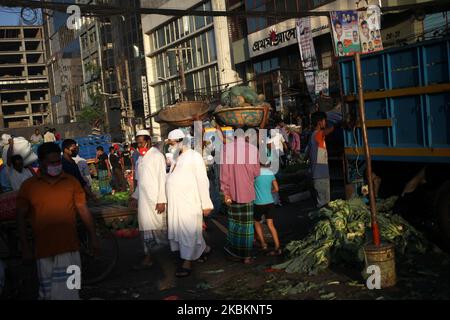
[[54, 171]]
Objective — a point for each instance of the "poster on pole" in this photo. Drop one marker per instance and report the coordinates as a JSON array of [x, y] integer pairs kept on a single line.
[[369, 31], [307, 53], [345, 32], [322, 82]]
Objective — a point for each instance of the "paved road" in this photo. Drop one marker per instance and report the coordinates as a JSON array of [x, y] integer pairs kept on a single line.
[[426, 276]]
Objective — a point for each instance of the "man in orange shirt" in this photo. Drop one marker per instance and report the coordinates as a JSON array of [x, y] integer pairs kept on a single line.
[[51, 201]]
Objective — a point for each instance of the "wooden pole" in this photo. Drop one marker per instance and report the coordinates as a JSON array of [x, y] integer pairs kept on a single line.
[[373, 208]]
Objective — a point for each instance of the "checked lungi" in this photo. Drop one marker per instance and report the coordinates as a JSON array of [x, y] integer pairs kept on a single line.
[[53, 276], [240, 230]]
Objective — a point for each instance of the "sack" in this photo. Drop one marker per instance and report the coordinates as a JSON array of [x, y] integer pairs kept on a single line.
[[21, 147]]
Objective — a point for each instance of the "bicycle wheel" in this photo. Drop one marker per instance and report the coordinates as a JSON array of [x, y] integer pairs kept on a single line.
[[95, 268]]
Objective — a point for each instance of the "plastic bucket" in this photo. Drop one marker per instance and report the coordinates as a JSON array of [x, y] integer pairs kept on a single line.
[[383, 257]]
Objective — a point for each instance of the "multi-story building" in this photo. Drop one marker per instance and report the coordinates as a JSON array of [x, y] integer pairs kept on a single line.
[[64, 65], [99, 73], [201, 43], [24, 88], [128, 50], [263, 64]]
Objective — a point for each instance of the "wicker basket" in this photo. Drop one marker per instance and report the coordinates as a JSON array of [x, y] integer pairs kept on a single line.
[[243, 116], [183, 114]]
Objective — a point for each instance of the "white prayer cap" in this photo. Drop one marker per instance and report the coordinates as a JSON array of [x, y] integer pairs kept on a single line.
[[143, 133], [156, 138], [176, 134]]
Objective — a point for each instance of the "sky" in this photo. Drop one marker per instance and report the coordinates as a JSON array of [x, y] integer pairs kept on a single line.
[[10, 16]]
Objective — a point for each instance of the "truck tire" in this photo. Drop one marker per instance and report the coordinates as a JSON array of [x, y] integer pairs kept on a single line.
[[443, 213]]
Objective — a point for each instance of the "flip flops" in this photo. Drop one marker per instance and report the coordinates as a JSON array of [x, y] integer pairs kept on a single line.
[[183, 272], [205, 256], [275, 253]]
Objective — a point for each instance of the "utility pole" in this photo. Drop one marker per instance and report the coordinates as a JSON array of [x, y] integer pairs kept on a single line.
[[181, 72], [280, 89], [362, 114], [130, 111], [123, 107]]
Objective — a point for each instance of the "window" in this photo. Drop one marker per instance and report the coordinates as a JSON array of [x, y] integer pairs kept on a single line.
[[199, 21], [161, 38], [171, 27], [172, 63], [207, 7], [167, 31], [177, 30], [194, 53], [190, 82], [205, 48], [212, 46], [199, 51]]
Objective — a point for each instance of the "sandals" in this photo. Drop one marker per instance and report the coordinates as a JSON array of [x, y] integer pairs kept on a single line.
[[205, 255], [275, 253], [183, 272], [249, 261]]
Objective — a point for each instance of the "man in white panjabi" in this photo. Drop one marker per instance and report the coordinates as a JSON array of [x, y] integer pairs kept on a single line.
[[188, 201], [151, 197]]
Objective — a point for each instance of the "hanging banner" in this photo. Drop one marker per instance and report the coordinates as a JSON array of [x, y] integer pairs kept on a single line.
[[322, 82], [345, 32], [145, 101], [369, 31], [307, 53]]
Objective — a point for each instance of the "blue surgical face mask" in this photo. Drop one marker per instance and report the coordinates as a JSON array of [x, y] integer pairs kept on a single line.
[[54, 170]]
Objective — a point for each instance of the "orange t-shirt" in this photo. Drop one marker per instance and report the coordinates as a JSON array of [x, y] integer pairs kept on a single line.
[[53, 213]]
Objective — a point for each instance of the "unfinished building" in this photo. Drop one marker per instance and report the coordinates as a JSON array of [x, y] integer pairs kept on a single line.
[[24, 89]]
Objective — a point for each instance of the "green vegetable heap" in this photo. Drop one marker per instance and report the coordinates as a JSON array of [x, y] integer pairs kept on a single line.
[[241, 96], [342, 230]]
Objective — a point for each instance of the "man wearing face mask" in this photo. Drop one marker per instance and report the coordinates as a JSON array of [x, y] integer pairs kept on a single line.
[[151, 196], [70, 151], [188, 201], [51, 201]]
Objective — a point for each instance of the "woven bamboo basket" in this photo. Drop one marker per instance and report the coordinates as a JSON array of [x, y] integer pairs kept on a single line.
[[183, 114], [239, 117]]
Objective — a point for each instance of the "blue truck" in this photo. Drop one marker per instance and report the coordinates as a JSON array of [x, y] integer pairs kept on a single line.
[[88, 145], [407, 106]]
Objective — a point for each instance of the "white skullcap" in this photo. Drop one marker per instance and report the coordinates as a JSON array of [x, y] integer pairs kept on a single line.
[[176, 134]]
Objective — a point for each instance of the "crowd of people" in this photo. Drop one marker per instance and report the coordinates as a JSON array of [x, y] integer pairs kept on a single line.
[[173, 188]]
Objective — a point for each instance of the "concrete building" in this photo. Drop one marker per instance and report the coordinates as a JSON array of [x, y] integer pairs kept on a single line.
[[98, 65], [64, 65], [128, 50], [262, 64], [24, 87], [204, 49]]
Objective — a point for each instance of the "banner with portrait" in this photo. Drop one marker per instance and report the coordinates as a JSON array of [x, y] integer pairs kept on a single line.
[[369, 31], [345, 32]]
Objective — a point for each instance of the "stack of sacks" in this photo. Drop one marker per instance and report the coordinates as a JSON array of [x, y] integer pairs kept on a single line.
[[21, 147]]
